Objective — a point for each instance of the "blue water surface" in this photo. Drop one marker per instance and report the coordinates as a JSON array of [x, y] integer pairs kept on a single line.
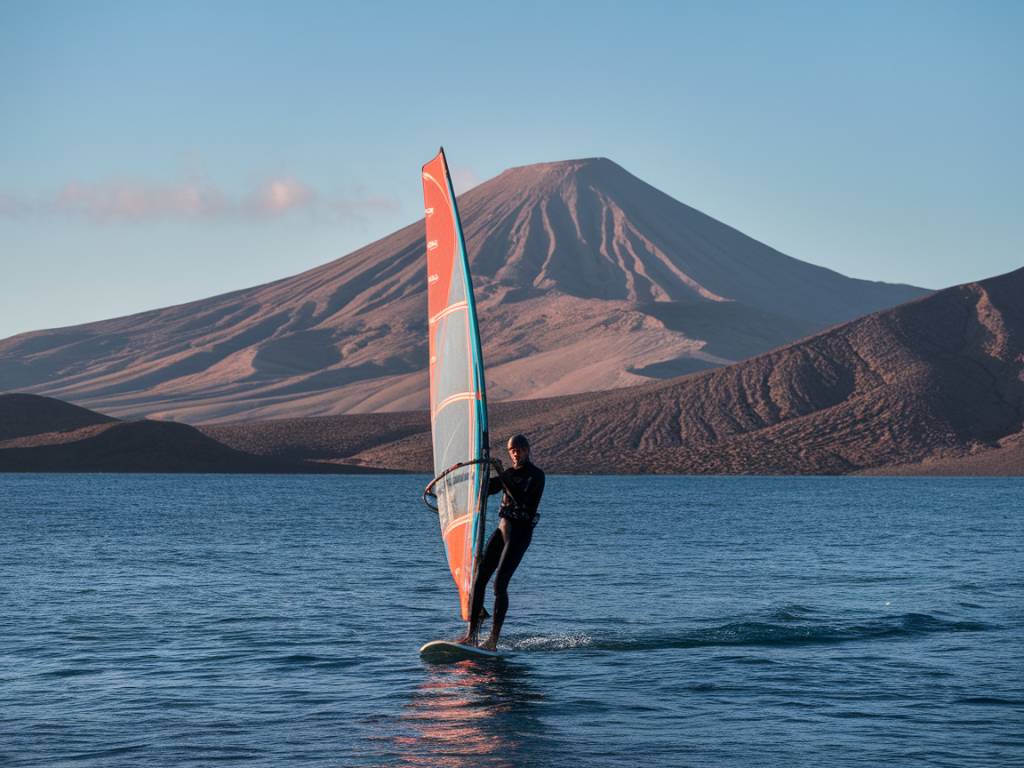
[[168, 620]]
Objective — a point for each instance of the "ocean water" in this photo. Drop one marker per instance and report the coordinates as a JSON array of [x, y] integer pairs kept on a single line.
[[274, 621]]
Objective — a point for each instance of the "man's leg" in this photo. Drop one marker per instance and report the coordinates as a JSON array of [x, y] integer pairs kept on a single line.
[[520, 535], [492, 556]]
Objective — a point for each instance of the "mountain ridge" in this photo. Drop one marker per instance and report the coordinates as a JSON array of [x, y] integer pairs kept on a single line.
[[931, 386]]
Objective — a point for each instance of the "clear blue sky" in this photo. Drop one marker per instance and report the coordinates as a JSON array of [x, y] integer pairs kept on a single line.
[[153, 153]]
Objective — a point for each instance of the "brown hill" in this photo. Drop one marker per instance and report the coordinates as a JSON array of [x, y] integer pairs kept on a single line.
[[319, 438], [939, 380], [102, 444], [1005, 458], [22, 414], [587, 279]]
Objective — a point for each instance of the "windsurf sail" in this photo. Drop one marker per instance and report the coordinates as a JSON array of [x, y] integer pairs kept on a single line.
[[458, 403]]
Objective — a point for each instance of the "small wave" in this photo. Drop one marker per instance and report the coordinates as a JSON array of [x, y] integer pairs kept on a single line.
[[311, 660], [299, 658], [754, 633], [246, 619], [792, 612], [974, 589], [108, 752], [79, 672], [993, 701]]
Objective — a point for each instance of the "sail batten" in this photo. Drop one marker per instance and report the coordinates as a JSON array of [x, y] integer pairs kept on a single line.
[[458, 403]]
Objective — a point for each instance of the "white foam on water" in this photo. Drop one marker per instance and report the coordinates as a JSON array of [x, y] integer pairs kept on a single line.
[[559, 642]]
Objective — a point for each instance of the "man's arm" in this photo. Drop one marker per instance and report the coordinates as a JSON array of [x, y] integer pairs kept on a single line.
[[534, 492], [495, 486]]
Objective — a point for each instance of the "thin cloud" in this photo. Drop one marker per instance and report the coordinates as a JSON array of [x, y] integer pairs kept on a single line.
[[361, 207], [464, 179], [13, 206], [279, 196], [192, 199], [136, 201]]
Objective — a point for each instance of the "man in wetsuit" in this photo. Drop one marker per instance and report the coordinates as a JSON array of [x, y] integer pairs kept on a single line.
[[523, 484]]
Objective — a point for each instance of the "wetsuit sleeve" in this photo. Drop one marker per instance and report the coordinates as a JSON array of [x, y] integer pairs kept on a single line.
[[494, 486], [533, 494]]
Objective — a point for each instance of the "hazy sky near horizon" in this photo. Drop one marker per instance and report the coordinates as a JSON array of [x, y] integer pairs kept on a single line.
[[155, 153]]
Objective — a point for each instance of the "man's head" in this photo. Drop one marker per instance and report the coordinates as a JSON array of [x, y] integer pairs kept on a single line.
[[518, 450]]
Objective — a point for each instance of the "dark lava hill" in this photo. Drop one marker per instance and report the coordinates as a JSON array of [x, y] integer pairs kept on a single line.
[[41, 434], [22, 415]]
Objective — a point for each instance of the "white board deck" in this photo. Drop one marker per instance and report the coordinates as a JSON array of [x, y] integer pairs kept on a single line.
[[441, 651]]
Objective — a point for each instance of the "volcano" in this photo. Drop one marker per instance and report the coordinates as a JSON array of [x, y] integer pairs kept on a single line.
[[586, 277]]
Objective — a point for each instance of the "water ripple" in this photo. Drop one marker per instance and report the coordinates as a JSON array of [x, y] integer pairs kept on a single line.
[[163, 621]]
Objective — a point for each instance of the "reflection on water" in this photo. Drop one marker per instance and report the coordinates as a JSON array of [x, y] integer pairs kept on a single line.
[[472, 714]]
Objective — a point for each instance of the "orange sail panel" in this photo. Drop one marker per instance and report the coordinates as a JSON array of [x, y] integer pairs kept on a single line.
[[458, 404]]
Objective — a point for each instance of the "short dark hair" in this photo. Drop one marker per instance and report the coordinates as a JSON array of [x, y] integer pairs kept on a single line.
[[519, 441]]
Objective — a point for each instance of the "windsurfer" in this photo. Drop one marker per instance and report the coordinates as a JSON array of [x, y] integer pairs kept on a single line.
[[523, 484]]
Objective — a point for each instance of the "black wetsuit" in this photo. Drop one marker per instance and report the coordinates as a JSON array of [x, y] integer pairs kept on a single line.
[[523, 488]]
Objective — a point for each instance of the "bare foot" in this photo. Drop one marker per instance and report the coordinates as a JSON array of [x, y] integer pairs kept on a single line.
[[490, 644], [467, 639]]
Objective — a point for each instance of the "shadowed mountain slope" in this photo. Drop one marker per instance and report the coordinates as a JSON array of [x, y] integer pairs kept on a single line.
[[22, 415], [1005, 458], [936, 380], [41, 434], [586, 278]]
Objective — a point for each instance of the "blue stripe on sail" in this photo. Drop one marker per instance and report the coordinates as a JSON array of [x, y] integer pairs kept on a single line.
[[478, 363], [482, 451]]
